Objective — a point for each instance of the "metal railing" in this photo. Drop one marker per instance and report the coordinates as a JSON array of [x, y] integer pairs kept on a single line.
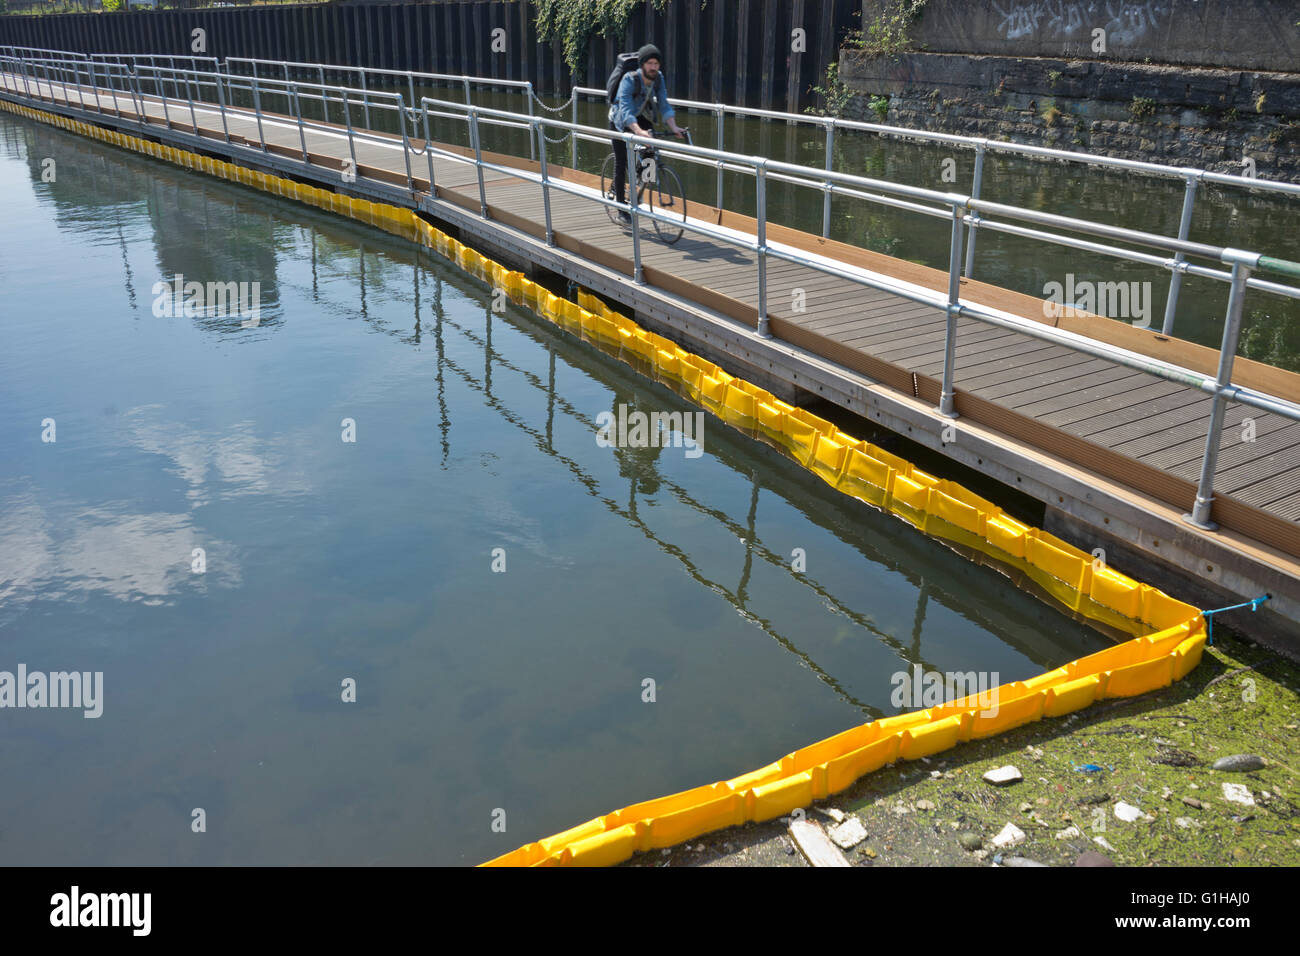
[[962, 211], [395, 77], [1191, 177]]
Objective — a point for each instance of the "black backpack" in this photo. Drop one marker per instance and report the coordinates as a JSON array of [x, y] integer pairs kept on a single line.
[[626, 63]]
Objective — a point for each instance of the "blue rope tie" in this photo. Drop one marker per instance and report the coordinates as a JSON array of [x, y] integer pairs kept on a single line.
[[1209, 615]]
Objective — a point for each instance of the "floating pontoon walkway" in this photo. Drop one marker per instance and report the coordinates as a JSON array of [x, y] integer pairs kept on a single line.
[[1105, 422]]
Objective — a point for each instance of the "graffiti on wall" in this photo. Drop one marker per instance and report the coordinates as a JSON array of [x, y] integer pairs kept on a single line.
[[1125, 21]]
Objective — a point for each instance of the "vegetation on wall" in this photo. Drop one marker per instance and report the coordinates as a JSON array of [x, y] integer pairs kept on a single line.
[[886, 35], [574, 22]]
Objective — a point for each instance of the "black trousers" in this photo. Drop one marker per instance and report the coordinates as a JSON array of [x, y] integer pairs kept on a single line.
[[620, 160]]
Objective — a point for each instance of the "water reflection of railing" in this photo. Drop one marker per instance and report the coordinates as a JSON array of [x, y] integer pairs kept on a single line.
[[738, 595]]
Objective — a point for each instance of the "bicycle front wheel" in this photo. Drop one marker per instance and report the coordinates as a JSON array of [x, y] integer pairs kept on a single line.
[[666, 198]]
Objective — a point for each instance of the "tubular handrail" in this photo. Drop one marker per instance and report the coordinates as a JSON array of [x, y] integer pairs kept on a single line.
[[338, 68], [814, 178], [963, 210], [956, 139], [801, 175]]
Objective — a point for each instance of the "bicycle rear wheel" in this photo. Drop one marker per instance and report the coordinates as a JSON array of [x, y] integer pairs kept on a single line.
[[607, 189], [666, 198]]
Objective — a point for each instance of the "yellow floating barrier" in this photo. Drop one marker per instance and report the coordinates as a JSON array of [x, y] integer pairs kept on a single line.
[[854, 467]]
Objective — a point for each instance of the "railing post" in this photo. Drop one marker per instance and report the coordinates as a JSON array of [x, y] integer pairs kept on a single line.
[[76, 80], [546, 181], [428, 149], [324, 94], [406, 142], [478, 162], [721, 126], [365, 98], [573, 133], [157, 82], [1200, 515], [826, 186], [1184, 227], [532, 144], [221, 104], [194, 120], [946, 403], [257, 108], [632, 183], [410, 89], [760, 181], [352, 145], [297, 112], [138, 96], [976, 184]]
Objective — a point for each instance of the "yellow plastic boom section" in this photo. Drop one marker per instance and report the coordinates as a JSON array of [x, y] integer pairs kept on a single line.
[[857, 468]]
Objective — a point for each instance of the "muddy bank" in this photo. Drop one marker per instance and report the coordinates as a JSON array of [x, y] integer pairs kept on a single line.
[[1153, 753]]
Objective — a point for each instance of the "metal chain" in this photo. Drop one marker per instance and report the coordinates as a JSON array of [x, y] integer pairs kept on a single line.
[[554, 109], [563, 138]]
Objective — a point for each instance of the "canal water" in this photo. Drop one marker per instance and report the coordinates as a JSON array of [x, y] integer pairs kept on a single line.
[[1223, 215], [498, 587]]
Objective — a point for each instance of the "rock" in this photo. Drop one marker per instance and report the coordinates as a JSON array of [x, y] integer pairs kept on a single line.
[[1129, 813], [980, 854], [1068, 832], [1021, 861], [1193, 803], [970, 840], [848, 834], [1003, 776], [1009, 836], [1238, 793], [1092, 858], [1238, 763], [1187, 823], [1094, 798], [1026, 807], [924, 805]]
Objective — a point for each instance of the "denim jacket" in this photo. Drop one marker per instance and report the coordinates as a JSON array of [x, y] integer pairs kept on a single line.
[[632, 97]]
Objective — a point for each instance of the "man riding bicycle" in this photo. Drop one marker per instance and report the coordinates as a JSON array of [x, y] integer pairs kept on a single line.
[[641, 101]]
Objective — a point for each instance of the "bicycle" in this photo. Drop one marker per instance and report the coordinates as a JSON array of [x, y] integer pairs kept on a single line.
[[657, 187]]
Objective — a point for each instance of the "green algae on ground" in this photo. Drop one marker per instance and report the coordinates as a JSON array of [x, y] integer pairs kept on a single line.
[[1155, 753]]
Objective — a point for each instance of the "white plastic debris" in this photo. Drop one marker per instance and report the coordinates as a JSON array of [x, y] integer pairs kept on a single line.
[[1003, 775], [848, 834], [1238, 793], [1128, 813], [1010, 836]]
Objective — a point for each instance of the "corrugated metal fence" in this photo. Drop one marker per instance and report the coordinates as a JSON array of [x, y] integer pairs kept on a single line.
[[737, 51]]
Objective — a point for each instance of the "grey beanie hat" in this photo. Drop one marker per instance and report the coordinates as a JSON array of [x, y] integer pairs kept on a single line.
[[649, 52]]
